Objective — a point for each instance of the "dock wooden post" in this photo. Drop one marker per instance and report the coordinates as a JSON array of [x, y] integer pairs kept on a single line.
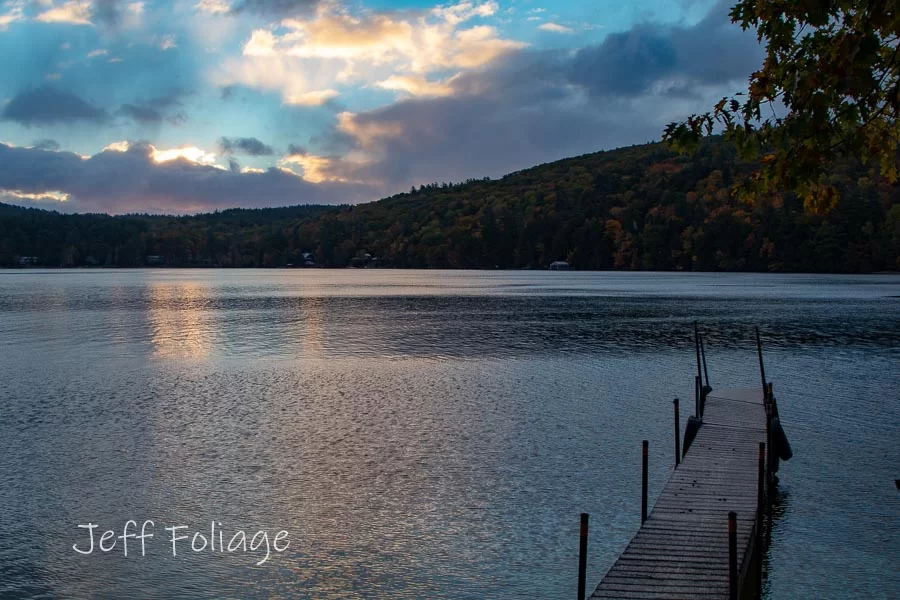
[[703, 354], [696, 396], [770, 414], [762, 369], [644, 447], [732, 556], [760, 497], [582, 556], [697, 347], [677, 435], [700, 394]]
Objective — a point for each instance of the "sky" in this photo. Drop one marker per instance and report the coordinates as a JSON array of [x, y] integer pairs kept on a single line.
[[189, 106]]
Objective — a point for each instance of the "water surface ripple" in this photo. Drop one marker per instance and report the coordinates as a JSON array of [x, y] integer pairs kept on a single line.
[[422, 433]]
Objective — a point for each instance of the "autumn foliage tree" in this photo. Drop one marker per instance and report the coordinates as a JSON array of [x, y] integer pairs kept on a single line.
[[828, 89], [644, 207]]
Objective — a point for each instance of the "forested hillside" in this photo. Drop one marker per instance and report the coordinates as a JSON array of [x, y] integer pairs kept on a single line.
[[638, 208]]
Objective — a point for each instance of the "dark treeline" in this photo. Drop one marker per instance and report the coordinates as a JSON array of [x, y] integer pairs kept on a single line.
[[638, 208]]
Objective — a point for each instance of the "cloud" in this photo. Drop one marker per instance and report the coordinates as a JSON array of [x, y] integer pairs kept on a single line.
[[555, 28], [261, 43], [276, 73], [337, 46], [13, 12], [458, 137], [46, 144], [191, 154], [107, 13], [417, 86], [34, 50], [156, 110], [626, 62], [274, 8], [213, 7], [48, 105], [117, 13], [271, 9], [316, 169], [134, 179], [73, 12], [457, 13], [313, 98], [167, 42], [536, 106], [337, 35], [712, 52], [170, 99], [514, 115], [249, 146], [42, 200], [141, 114]]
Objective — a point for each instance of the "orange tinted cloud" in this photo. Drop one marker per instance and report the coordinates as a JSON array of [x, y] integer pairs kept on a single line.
[[307, 60]]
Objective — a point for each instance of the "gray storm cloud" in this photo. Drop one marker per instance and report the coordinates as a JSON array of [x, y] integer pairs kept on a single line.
[[131, 181], [249, 146], [49, 105]]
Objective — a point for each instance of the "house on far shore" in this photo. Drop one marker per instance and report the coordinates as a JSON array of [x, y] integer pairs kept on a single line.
[[154, 259], [28, 261], [559, 265], [363, 260]]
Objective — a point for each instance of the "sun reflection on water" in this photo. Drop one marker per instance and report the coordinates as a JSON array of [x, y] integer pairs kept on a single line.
[[180, 322]]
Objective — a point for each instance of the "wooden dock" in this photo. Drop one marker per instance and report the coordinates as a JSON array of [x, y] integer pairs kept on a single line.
[[682, 550]]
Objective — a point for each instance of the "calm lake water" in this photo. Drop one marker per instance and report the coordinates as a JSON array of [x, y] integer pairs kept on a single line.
[[421, 433]]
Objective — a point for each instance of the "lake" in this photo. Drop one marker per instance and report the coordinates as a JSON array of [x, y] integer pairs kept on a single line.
[[421, 433]]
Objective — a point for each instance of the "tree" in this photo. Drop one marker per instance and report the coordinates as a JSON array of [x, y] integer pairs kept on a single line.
[[828, 89]]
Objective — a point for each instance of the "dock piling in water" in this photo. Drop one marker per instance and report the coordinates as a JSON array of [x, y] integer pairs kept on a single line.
[[644, 449], [732, 556], [762, 369], [677, 435], [582, 557], [697, 396], [768, 401], [697, 348], [703, 355]]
